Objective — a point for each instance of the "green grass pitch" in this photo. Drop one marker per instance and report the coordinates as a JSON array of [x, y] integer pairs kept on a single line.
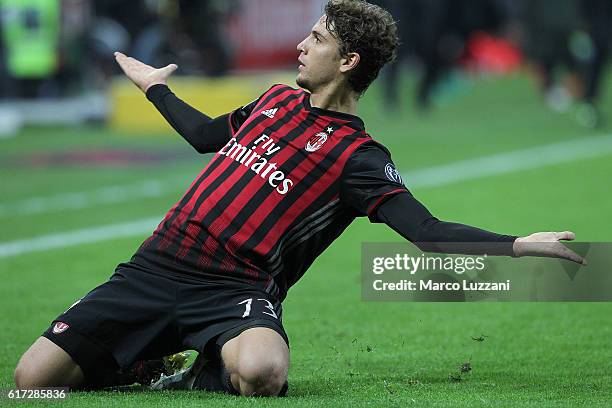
[[346, 352]]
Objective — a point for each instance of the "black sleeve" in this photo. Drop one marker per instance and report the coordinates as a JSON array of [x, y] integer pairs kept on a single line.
[[205, 134], [369, 179], [408, 217]]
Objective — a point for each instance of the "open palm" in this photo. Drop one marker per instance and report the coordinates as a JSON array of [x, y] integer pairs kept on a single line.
[[547, 244], [142, 75]]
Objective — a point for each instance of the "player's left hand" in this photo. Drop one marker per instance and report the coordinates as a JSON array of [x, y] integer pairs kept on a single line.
[[546, 244]]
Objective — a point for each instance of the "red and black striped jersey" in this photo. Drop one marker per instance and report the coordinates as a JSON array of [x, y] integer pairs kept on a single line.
[[287, 182]]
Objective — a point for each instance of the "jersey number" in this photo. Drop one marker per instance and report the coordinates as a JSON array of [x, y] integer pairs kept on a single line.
[[247, 307]]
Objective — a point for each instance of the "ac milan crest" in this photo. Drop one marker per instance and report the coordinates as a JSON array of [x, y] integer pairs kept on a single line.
[[316, 142], [60, 327]]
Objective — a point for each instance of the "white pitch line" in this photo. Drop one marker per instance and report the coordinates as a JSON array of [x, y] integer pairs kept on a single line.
[[83, 236], [84, 199], [504, 163], [497, 164]]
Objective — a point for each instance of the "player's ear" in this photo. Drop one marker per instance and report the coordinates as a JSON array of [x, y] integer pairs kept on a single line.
[[349, 62]]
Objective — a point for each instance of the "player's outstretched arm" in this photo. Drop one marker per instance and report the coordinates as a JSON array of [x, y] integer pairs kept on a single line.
[[205, 134], [142, 75], [407, 216]]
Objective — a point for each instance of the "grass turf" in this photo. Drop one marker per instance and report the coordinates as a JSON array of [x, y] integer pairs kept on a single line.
[[346, 352]]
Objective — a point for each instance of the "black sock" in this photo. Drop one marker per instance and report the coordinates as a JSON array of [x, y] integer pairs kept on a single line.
[[227, 383], [283, 391], [141, 372], [214, 378], [107, 378]]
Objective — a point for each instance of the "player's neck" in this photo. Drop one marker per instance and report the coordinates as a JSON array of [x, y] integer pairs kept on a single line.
[[335, 98]]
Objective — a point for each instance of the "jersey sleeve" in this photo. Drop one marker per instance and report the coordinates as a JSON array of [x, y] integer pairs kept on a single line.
[[369, 179], [240, 115], [409, 218], [205, 134]]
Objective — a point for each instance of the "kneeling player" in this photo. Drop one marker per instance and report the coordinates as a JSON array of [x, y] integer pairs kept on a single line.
[[292, 170]]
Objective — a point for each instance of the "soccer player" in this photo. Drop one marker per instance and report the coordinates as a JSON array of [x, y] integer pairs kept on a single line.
[[291, 171]]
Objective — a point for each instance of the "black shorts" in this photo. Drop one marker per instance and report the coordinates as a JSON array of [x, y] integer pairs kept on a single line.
[[142, 316]]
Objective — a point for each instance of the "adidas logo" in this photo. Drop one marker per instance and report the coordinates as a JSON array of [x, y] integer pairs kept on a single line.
[[270, 112]]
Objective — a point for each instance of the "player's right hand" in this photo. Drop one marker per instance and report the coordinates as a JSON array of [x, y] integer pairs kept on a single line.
[[142, 75]]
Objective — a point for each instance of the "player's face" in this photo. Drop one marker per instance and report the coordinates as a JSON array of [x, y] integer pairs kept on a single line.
[[319, 58]]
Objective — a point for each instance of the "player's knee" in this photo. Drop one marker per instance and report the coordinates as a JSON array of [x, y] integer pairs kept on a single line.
[[27, 375], [20, 376], [46, 365], [263, 376]]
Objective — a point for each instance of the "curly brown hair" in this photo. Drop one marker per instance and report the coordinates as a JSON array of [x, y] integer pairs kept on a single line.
[[366, 29]]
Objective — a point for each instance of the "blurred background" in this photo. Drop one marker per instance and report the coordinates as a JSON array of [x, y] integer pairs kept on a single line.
[[56, 64]]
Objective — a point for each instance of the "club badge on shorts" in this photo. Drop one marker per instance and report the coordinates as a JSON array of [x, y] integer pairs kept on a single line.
[[60, 327]]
